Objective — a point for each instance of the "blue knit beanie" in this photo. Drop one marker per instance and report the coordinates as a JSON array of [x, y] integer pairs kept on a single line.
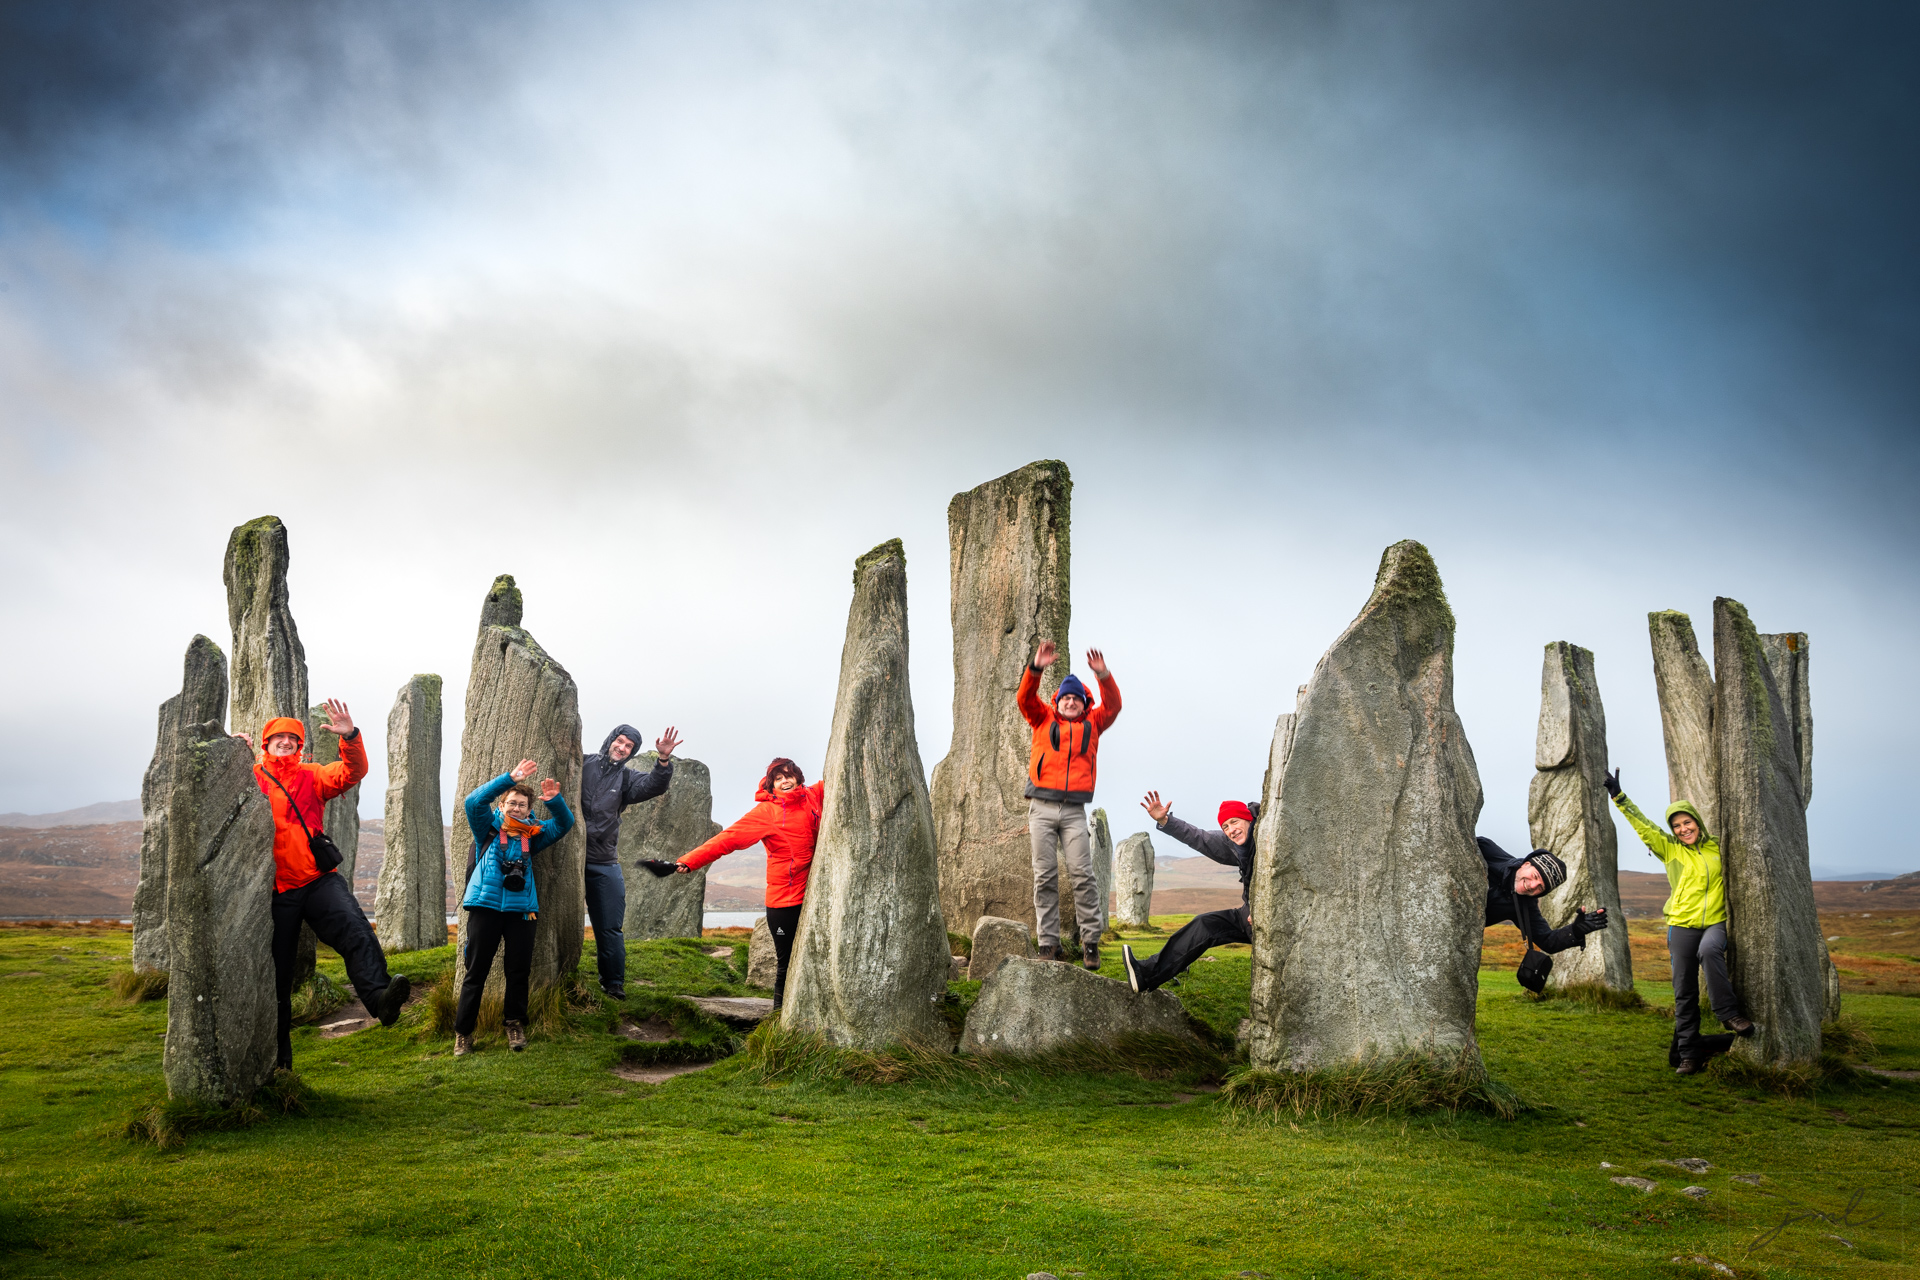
[[1071, 685]]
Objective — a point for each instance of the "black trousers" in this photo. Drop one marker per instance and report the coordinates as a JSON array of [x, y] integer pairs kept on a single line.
[[1692, 950], [328, 905], [783, 923], [1195, 937], [486, 928]]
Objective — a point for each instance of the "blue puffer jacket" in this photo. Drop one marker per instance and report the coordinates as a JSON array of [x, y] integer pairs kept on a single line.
[[485, 887]]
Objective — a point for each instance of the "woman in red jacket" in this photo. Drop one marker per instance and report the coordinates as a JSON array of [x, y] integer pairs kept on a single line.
[[787, 822]]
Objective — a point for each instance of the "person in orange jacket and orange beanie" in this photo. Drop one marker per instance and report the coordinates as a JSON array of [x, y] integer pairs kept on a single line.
[[1060, 777], [303, 892], [787, 821]]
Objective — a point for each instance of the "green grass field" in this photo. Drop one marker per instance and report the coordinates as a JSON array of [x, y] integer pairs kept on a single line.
[[548, 1164]]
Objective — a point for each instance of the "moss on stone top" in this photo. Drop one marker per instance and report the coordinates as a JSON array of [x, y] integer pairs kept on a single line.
[[504, 606], [892, 549], [1408, 578]]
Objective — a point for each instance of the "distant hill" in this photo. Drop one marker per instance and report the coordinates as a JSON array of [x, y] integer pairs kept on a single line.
[[92, 815]]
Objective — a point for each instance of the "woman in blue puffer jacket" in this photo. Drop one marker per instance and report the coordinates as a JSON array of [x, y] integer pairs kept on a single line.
[[500, 901]]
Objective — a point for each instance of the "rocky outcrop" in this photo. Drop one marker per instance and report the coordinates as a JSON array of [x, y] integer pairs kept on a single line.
[[220, 1005], [1776, 956], [1369, 893], [1787, 658], [763, 966], [1008, 543], [1028, 1007], [994, 939], [1685, 687], [1568, 812], [665, 827], [870, 962], [409, 905], [202, 700], [269, 663], [1133, 881], [521, 704]]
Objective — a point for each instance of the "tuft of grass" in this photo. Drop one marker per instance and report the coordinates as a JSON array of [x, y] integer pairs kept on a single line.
[[1151, 1055], [132, 986], [1598, 995], [1847, 1037], [1801, 1080], [438, 1009], [774, 1053], [318, 998], [697, 1037], [1382, 1086], [959, 944], [169, 1124]]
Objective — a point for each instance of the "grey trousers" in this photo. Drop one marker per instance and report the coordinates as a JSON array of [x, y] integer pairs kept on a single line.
[[1056, 827], [1692, 950]]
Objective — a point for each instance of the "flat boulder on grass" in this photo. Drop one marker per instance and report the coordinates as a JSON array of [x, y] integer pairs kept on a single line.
[[994, 939], [1028, 1007]]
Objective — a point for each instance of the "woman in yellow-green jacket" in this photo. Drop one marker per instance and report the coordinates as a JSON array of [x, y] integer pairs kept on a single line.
[[1696, 914]]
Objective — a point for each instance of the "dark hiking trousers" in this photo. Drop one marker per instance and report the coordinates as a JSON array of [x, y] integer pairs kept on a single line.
[[1213, 929], [783, 923], [486, 929], [327, 904], [1692, 950], [607, 912]]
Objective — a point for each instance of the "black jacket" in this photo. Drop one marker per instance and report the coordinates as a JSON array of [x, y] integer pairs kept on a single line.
[[1215, 845], [1503, 904], [606, 788]]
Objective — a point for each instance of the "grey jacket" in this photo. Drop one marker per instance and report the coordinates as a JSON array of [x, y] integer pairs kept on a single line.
[[1215, 845], [606, 788]]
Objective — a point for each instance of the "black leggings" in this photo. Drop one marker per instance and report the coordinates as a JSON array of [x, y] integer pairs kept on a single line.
[[328, 905], [782, 923], [1195, 938], [486, 928]]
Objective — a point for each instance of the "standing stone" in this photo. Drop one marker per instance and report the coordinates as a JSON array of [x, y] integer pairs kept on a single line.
[[1772, 926], [1787, 658], [870, 963], [1685, 688], [670, 824], [409, 904], [220, 1004], [341, 817], [1369, 893], [202, 699], [269, 663], [1031, 1007], [994, 940], [1568, 812], [1133, 881], [763, 964], [1008, 541], [521, 704], [1102, 844]]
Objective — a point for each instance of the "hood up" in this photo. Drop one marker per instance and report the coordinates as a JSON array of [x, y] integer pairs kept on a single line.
[[639, 743], [1686, 807]]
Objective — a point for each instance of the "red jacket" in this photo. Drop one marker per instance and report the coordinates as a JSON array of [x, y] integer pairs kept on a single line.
[[311, 786], [1063, 763], [787, 824]]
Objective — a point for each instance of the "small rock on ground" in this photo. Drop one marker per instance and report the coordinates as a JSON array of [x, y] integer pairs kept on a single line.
[[657, 1074], [1698, 1193], [652, 1031], [1721, 1267], [1748, 1179], [1691, 1165], [1642, 1185], [748, 1011]]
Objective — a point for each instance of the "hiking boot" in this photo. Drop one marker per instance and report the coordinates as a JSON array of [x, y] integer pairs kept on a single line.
[[1131, 965], [1741, 1026], [462, 1046], [1090, 956], [615, 993], [392, 1000], [1048, 952], [516, 1037], [1687, 1067]]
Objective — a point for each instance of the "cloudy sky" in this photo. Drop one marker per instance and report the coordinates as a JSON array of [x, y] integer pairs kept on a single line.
[[674, 310]]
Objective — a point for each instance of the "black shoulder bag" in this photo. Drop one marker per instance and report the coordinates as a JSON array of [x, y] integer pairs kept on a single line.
[[326, 854], [1535, 965]]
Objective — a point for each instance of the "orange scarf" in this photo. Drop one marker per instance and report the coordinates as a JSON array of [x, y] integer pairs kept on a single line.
[[514, 829]]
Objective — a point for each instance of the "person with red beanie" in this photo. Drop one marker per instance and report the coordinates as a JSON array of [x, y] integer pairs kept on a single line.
[[304, 892], [1060, 776], [1232, 845], [787, 821]]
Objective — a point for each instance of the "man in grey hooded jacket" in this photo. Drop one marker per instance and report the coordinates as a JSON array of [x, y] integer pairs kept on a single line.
[[606, 787]]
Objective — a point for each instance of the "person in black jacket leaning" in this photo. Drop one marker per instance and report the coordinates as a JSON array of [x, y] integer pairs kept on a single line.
[[606, 787], [1514, 888], [1232, 845]]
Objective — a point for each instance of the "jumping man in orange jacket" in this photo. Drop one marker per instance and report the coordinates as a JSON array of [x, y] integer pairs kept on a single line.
[[1060, 776]]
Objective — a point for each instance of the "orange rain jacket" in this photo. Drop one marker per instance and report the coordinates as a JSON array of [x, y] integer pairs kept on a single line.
[[311, 786], [1062, 766], [787, 824]]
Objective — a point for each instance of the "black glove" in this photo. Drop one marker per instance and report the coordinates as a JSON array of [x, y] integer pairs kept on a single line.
[[1612, 784], [1586, 922], [660, 868]]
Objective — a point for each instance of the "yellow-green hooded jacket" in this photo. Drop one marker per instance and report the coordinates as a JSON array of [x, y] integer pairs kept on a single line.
[[1698, 899]]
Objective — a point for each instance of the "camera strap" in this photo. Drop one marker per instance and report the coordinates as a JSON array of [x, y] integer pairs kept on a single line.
[[325, 854]]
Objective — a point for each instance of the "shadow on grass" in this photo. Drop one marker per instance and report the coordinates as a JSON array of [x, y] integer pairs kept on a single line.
[[169, 1124], [1383, 1086]]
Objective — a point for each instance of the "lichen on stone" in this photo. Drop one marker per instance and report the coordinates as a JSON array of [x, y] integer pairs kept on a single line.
[[892, 549]]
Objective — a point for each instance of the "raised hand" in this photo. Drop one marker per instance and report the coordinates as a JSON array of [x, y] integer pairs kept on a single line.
[[246, 738], [525, 769], [666, 742], [1044, 657], [338, 719], [1155, 810], [1097, 662], [1612, 784], [548, 789]]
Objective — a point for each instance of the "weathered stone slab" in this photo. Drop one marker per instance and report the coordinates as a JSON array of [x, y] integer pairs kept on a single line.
[[1133, 881], [409, 905], [202, 699], [1028, 1007], [1008, 541], [1788, 659], [1369, 893], [743, 1012], [1776, 953], [994, 939], [870, 962], [522, 704], [220, 1004], [763, 964], [1685, 687], [269, 662], [665, 827], [1569, 813]]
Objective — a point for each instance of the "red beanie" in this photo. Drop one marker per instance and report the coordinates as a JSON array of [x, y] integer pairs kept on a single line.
[[1234, 809]]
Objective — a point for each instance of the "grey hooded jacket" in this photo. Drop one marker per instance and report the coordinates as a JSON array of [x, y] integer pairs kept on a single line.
[[606, 788]]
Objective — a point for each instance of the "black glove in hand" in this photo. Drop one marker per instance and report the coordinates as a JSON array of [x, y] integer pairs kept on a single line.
[[660, 868], [1586, 922], [1612, 784]]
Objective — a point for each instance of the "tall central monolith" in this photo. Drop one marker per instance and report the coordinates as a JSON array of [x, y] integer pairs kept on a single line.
[[521, 704], [1776, 954], [665, 827], [1009, 555], [1685, 688], [269, 662], [1568, 813], [202, 700], [871, 961], [1369, 892], [409, 905]]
